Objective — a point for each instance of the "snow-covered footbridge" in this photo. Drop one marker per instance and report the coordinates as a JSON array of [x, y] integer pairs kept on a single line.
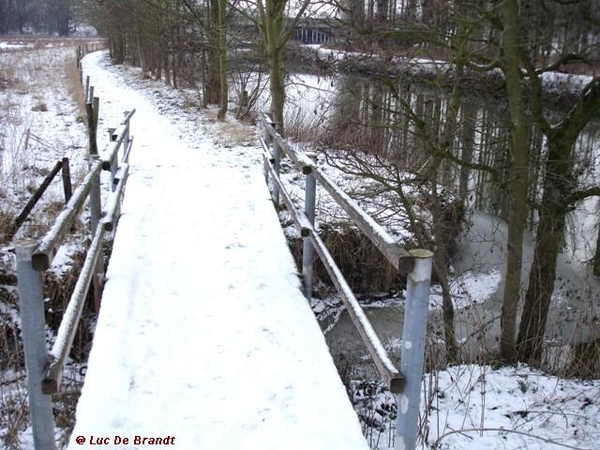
[[204, 339]]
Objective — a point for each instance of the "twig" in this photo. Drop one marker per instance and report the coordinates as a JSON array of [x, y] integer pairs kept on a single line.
[[504, 430]]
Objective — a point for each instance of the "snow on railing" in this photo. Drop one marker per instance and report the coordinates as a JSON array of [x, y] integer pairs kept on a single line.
[[44, 369], [404, 383]]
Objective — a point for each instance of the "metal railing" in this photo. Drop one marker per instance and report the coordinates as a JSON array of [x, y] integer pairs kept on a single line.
[[44, 369], [405, 382]]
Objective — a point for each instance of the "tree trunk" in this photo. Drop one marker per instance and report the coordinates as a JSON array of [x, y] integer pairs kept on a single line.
[[550, 231], [517, 219], [224, 92], [559, 183], [596, 262], [212, 87], [277, 87], [272, 34]]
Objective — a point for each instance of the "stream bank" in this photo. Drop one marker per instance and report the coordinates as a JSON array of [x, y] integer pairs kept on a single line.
[[477, 288]]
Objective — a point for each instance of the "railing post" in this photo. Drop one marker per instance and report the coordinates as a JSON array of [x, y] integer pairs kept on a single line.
[[87, 90], [33, 329], [95, 200], [267, 139], [126, 123], [276, 165], [66, 179], [95, 212], [114, 163], [308, 251], [413, 349]]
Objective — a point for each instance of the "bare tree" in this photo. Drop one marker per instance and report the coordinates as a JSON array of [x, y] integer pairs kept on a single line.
[[276, 21]]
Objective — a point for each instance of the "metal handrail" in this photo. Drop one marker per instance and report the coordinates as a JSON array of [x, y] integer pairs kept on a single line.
[[397, 255], [386, 368], [404, 383], [34, 257]]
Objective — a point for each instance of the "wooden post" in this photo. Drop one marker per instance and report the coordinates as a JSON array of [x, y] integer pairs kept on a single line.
[[66, 179], [35, 198], [92, 109]]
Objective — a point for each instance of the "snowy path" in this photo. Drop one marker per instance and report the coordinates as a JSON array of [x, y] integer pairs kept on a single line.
[[203, 336]]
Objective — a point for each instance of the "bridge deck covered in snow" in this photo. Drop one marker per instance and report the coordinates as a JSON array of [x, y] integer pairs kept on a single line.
[[204, 339]]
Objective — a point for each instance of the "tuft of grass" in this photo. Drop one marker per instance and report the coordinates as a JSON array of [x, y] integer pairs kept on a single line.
[[75, 86], [40, 107], [14, 411]]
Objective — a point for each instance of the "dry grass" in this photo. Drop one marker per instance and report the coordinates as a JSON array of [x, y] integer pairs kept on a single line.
[[36, 122], [14, 416], [75, 86], [41, 121], [231, 132]]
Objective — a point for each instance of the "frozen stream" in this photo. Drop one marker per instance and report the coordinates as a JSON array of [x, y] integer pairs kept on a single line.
[[479, 264], [477, 288]]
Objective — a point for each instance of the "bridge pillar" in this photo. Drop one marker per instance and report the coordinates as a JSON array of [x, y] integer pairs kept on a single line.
[[413, 349], [33, 331]]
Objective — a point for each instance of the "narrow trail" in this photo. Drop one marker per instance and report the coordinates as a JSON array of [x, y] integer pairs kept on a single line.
[[203, 335]]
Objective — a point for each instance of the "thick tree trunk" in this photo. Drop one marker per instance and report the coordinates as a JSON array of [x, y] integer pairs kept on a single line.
[[596, 262], [517, 219], [277, 86], [558, 187], [550, 231], [224, 88], [272, 34], [212, 86]]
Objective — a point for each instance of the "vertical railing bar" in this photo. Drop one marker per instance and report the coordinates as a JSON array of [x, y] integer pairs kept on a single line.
[[95, 212], [267, 145], [127, 151], [96, 117], [95, 200], [33, 330], [308, 250], [66, 179], [413, 350], [277, 165], [87, 89]]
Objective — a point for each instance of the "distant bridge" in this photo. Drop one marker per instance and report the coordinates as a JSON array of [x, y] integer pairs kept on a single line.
[[313, 31]]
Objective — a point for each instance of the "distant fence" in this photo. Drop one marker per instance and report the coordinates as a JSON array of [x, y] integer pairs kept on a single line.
[[62, 166], [83, 50], [44, 369], [404, 383]]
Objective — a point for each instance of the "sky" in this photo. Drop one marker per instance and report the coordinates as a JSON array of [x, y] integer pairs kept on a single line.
[[205, 341]]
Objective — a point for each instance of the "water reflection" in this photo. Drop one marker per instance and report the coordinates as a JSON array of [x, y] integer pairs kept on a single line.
[[406, 122]]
